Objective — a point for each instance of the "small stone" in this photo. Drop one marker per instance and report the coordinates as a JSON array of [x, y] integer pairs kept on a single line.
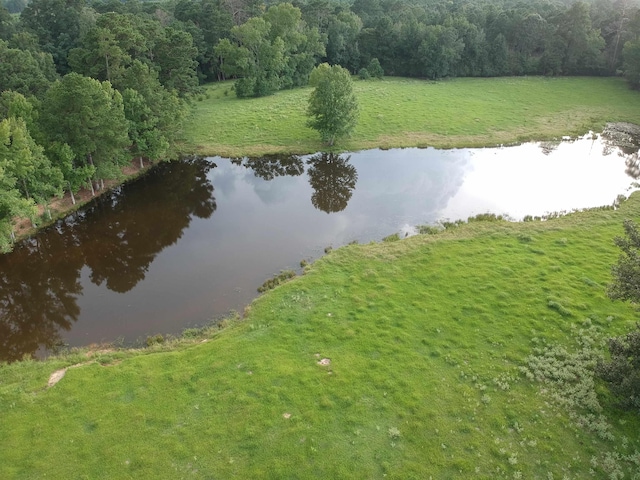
[[324, 362]]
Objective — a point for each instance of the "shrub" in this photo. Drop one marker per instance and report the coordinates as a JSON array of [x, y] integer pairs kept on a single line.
[[364, 74], [622, 372], [486, 217], [282, 277], [375, 69], [429, 230], [626, 273]]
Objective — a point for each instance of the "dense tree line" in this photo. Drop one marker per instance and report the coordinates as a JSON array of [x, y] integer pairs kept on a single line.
[[87, 85]]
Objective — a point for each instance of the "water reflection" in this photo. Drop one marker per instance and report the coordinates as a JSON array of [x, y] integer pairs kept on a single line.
[[331, 176], [120, 247], [632, 162], [40, 281], [272, 166], [333, 180], [38, 291], [549, 147], [153, 258]]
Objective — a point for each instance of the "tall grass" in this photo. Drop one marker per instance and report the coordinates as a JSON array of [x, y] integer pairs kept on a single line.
[[397, 359], [399, 112]]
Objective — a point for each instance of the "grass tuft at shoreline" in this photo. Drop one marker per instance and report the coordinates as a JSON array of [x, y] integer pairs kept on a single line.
[[399, 112], [398, 359]]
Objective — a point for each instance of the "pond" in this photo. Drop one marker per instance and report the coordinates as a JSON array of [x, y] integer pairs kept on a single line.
[[192, 240]]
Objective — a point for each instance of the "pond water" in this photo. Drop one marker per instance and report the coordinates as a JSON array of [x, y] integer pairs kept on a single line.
[[192, 240]]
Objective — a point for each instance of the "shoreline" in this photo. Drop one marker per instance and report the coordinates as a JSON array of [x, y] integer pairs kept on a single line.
[[624, 134], [63, 206]]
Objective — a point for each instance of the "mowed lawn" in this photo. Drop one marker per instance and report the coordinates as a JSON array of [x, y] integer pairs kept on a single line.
[[387, 360], [397, 112]]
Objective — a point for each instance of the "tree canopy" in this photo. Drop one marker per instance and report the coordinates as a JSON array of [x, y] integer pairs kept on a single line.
[[333, 107], [134, 64]]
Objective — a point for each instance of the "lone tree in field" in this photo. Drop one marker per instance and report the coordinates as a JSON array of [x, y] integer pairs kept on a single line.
[[622, 372], [333, 107]]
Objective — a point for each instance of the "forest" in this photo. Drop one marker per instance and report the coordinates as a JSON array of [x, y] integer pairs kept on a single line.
[[88, 86]]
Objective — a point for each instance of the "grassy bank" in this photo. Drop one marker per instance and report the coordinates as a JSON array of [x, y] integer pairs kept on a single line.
[[398, 360], [399, 112]]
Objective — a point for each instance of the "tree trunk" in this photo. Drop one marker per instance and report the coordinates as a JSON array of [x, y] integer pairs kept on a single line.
[[26, 190], [73, 199], [93, 192], [106, 58], [618, 35], [101, 184], [141, 164], [13, 236]]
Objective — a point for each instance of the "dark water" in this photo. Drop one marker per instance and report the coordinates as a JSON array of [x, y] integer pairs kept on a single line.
[[194, 239]]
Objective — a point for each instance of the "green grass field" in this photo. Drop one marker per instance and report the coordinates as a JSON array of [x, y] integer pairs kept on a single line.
[[424, 336], [399, 112]]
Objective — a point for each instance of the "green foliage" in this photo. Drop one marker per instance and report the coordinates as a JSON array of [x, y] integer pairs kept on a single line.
[[343, 31], [394, 237], [175, 57], [57, 24], [375, 69], [12, 202], [631, 54], [626, 273], [270, 52], [486, 217], [24, 71], [278, 279], [622, 371], [429, 229], [333, 107], [25, 160], [89, 117], [14, 104], [363, 74]]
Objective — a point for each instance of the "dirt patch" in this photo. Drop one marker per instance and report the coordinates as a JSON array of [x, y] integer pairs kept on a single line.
[[55, 377], [58, 375]]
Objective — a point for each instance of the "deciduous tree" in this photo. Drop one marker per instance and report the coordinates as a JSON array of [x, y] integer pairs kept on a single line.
[[333, 107]]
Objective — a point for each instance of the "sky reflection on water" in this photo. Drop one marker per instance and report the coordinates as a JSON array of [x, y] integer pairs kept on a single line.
[[193, 240]]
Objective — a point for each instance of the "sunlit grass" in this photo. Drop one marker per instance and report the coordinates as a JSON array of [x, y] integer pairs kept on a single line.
[[398, 112], [424, 337]]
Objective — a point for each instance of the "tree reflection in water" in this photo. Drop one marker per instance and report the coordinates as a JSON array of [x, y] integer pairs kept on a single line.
[[627, 144], [632, 163], [330, 175], [122, 243], [549, 147], [39, 286], [269, 167], [39, 281], [333, 180]]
